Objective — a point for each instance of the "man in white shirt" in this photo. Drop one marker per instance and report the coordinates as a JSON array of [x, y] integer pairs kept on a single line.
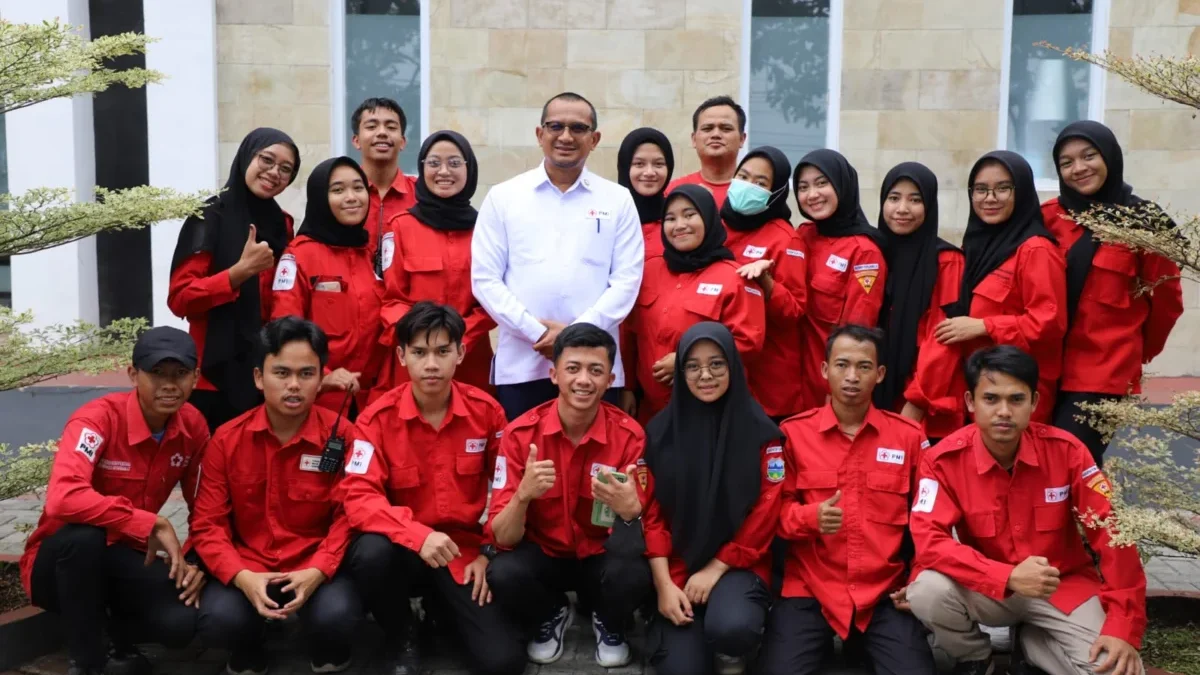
[[553, 246]]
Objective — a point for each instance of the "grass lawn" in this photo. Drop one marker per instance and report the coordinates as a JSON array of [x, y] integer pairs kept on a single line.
[[1173, 637]]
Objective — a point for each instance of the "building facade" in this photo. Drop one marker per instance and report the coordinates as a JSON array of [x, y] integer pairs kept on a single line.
[[884, 81]]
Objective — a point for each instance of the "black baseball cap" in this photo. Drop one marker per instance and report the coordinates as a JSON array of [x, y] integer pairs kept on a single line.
[[161, 344]]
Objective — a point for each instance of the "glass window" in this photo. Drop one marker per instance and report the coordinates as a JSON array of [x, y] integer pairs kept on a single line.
[[383, 58], [1046, 91], [789, 75]]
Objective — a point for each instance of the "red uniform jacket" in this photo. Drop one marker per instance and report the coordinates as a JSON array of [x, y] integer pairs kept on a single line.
[[426, 479], [1115, 330], [652, 233], [718, 190], [1002, 519], [937, 383], [110, 472], [334, 287], [749, 546], [668, 304], [1023, 302], [399, 197], [195, 289], [778, 241], [268, 508], [849, 571], [560, 521], [431, 264], [846, 278]]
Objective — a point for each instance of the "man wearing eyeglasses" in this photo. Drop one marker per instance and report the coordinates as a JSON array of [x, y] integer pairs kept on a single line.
[[553, 246]]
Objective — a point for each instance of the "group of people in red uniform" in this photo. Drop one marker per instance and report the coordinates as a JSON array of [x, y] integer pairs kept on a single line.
[[873, 398]]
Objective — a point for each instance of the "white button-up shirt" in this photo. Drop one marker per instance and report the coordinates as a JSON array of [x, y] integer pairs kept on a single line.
[[538, 253]]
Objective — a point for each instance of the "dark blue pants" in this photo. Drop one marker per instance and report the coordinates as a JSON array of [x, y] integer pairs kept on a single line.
[[518, 399], [731, 624]]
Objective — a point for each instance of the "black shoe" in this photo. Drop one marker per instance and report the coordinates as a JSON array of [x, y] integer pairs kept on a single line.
[[247, 662], [331, 660], [127, 660], [985, 667], [406, 660], [74, 669]]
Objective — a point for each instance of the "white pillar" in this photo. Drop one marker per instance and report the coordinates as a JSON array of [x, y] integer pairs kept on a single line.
[[181, 115], [51, 145]]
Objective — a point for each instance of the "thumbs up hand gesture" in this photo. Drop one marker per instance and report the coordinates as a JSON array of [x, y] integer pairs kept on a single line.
[[829, 516], [256, 255], [539, 476]]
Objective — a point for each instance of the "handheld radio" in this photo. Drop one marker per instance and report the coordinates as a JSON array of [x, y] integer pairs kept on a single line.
[[334, 453]]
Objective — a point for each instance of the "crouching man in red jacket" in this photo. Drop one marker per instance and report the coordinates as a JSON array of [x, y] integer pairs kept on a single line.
[[269, 523], [1015, 493], [91, 559], [417, 498]]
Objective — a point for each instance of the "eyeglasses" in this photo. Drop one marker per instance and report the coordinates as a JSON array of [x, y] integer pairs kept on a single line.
[[1000, 192], [692, 369], [268, 163], [576, 128], [435, 163]]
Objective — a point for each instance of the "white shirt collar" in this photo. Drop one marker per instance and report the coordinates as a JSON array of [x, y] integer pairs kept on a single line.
[[586, 180]]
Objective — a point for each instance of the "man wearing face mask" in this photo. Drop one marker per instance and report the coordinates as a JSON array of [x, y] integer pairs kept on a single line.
[[770, 252]]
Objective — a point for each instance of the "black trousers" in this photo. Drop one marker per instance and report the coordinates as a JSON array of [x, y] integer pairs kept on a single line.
[[799, 640], [531, 586], [731, 623], [94, 586], [387, 575], [1064, 418], [518, 399], [330, 619]]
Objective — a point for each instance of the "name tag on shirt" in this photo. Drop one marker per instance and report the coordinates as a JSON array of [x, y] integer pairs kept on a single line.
[[476, 445], [115, 465], [795, 253], [755, 251], [753, 291], [328, 286], [310, 463], [837, 262], [709, 289], [889, 456], [601, 214], [1058, 494]]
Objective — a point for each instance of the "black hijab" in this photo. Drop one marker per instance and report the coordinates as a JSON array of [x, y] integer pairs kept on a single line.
[[319, 222], [651, 208], [447, 213], [781, 168], [987, 246], [849, 219], [1114, 191], [711, 248], [221, 230], [706, 457], [912, 264]]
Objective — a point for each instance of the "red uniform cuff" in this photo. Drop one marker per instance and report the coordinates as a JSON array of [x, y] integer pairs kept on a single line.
[[139, 526], [1125, 629]]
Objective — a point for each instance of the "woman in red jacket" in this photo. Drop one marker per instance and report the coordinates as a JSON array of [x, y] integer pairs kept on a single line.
[[644, 167], [427, 256], [1014, 289], [758, 224], [238, 237], [326, 276], [694, 280], [845, 261], [716, 463], [924, 379], [1113, 326]]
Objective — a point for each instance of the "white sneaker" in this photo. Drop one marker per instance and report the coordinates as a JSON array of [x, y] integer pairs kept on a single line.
[[547, 647], [1001, 637], [730, 665], [612, 651]]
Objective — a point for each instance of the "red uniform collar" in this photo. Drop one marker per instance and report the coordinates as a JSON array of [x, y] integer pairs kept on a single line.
[[310, 430], [598, 432], [984, 461], [827, 419], [407, 408], [135, 422], [399, 183]]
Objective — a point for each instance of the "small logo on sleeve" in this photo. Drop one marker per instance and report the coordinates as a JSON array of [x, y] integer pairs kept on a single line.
[[89, 444], [285, 273], [360, 459], [775, 469], [926, 496]]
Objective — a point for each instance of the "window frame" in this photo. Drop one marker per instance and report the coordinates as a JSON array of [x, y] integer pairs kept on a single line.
[[1097, 80], [339, 115], [833, 110]]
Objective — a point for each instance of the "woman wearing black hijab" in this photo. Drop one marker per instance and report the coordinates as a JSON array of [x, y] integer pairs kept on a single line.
[[238, 237], [845, 261], [427, 256], [327, 276], [1014, 289], [1112, 327], [771, 253], [716, 463], [644, 167], [923, 381], [694, 280]]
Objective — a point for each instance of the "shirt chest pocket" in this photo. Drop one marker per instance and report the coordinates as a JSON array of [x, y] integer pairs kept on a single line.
[[828, 298], [426, 280], [401, 483], [309, 507], [991, 295], [332, 307], [1111, 280], [981, 524], [703, 306], [817, 485], [129, 484], [1051, 518], [887, 498]]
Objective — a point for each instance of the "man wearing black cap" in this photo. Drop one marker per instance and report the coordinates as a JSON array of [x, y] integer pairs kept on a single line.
[[92, 558]]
